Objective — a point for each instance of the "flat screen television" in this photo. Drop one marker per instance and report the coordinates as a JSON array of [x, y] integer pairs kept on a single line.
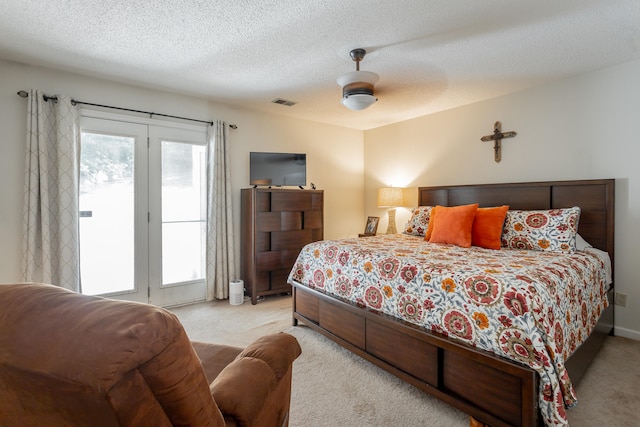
[[278, 169]]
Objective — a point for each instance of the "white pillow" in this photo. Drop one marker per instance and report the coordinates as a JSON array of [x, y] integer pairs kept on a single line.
[[581, 244]]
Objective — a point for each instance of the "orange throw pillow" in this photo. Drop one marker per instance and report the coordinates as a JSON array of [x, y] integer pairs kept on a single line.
[[487, 227], [453, 225]]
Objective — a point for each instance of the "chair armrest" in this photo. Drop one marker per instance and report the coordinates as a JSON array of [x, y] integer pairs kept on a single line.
[[242, 387], [277, 350]]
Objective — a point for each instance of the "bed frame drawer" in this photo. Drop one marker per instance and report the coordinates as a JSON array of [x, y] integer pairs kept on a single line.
[[307, 305], [409, 354], [493, 390], [344, 324]]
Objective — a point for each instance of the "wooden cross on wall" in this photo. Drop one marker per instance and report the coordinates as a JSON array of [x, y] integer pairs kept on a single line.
[[497, 137]]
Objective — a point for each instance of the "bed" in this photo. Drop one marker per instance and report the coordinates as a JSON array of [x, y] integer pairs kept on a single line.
[[463, 370]]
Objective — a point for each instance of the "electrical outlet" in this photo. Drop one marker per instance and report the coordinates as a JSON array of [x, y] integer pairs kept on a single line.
[[621, 299]]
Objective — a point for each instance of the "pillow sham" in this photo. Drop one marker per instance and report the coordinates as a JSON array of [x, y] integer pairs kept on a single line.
[[419, 221], [552, 230], [487, 227], [453, 225], [432, 220]]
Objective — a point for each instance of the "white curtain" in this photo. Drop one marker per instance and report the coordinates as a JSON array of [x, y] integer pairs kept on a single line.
[[220, 250], [50, 224]]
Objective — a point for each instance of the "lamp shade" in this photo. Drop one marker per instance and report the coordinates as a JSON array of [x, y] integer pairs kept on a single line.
[[390, 197], [358, 102], [357, 89]]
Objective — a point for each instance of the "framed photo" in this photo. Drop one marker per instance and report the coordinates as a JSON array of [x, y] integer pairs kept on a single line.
[[372, 225]]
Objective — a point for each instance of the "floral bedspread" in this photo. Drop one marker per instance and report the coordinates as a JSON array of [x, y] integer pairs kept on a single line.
[[530, 306]]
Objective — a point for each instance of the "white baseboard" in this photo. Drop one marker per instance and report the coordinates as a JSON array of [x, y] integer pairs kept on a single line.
[[627, 333]]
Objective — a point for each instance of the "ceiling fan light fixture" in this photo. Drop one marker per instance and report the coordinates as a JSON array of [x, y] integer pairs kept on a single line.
[[357, 86], [358, 102]]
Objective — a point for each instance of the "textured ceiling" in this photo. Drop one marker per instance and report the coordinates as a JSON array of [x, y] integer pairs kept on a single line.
[[430, 55]]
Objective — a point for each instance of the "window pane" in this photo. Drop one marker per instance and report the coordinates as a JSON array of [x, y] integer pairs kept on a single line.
[[107, 213], [183, 252], [183, 212], [183, 182]]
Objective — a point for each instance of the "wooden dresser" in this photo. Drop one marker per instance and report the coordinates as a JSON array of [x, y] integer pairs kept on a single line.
[[275, 224]]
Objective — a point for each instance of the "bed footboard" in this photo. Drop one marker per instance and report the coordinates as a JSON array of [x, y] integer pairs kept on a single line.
[[491, 389]]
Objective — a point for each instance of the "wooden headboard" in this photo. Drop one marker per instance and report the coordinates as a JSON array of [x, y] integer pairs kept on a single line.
[[594, 197]]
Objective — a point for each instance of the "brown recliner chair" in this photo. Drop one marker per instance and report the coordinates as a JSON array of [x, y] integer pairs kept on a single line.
[[73, 360]]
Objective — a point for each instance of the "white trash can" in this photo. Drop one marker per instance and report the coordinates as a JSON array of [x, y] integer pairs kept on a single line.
[[236, 292]]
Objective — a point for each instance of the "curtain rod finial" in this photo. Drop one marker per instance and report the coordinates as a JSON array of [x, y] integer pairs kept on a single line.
[[23, 93]]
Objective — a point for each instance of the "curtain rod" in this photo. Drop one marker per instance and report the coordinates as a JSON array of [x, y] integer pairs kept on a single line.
[[24, 94]]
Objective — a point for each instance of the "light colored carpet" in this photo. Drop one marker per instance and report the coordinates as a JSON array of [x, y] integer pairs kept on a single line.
[[609, 392], [332, 387], [239, 325]]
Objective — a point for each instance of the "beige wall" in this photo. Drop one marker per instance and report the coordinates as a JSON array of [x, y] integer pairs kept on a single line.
[[334, 154], [579, 128]]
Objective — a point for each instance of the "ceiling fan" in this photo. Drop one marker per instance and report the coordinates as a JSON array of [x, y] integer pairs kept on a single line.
[[357, 86]]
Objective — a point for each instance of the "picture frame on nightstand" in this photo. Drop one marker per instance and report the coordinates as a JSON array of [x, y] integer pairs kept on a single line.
[[372, 226]]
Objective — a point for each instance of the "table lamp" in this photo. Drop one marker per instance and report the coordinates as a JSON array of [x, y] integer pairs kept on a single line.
[[390, 197]]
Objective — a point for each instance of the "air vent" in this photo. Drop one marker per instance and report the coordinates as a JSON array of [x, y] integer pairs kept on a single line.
[[283, 102]]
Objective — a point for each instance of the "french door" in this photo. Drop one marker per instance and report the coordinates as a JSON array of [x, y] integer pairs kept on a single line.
[[143, 210]]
